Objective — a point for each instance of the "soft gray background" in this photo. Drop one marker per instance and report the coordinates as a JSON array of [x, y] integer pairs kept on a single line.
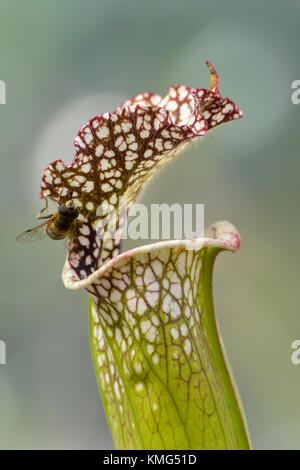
[[65, 61]]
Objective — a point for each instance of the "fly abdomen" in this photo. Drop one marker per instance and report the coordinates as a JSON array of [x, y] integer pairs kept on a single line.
[[53, 233]]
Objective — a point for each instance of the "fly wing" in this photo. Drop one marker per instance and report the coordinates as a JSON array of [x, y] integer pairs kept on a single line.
[[33, 234]]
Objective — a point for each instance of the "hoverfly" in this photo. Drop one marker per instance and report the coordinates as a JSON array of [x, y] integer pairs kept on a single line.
[[57, 226]]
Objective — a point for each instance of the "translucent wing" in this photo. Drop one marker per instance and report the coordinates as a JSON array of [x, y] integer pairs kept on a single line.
[[33, 234]]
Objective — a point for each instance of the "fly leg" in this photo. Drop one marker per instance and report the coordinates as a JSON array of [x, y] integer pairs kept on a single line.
[[47, 216]]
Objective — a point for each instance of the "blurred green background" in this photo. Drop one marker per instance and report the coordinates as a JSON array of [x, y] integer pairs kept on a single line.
[[65, 61]]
